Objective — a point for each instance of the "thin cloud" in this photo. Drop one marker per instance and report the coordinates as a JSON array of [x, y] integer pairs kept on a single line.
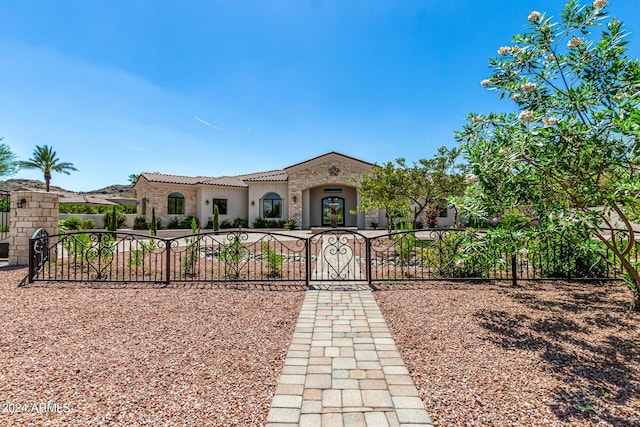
[[205, 122]]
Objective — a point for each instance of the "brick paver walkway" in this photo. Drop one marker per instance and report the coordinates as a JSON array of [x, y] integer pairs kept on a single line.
[[343, 368]]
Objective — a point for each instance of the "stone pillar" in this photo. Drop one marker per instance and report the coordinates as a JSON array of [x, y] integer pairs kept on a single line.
[[295, 205], [30, 210]]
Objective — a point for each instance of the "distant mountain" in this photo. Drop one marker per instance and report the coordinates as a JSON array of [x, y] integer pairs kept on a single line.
[[120, 190], [33, 184]]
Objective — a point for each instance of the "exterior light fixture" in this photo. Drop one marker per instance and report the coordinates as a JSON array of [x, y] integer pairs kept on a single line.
[[207, 202], [295, 199], [21, 203]]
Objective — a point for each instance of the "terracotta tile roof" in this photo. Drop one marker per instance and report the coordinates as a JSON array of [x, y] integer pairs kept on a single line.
[[88, 199], [170, 179], [274, 175], [226, 181], [278, 175]]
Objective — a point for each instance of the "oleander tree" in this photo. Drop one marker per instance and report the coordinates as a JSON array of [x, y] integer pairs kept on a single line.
[[569, 154], [45, 159]]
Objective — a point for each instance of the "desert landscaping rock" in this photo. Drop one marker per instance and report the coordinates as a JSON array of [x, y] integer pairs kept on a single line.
[[143, 357], [542, 354]]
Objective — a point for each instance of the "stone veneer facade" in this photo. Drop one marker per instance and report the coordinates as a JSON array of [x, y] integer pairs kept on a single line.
[[323, 172], [39, 210], [157, 194]]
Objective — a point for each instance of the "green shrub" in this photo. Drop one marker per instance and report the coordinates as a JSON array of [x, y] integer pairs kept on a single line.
[[193, 250], [82, 246], [268, 223], [458, 254], [231, 254], [566, 253], [216, 218], [72, 223], [108, 221], [184, 223], [88, 224], [140, 223], [240, 223], [274, 261], [81, 208], [155, 222]]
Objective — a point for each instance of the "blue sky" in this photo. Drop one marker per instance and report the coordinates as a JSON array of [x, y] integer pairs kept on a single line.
[[229, 87]]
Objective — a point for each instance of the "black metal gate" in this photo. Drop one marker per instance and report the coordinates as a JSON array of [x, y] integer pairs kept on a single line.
[[5, 203], [338, 255]]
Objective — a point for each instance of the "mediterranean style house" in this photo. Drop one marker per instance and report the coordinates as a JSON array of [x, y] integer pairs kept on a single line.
[[305, 192]]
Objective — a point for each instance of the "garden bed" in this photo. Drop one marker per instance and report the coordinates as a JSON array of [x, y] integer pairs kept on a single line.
[[175, 356], [545, 353]]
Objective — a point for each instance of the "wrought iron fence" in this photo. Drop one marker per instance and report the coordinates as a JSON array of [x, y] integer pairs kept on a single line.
[[470, 254], [336, 255], [132, 257], [5, 203]]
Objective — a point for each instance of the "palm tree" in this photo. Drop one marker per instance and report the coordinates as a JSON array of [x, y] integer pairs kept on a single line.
[[44, 158]]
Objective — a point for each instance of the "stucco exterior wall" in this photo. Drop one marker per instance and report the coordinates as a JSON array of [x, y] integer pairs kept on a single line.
[[257, 191], [237, 202]]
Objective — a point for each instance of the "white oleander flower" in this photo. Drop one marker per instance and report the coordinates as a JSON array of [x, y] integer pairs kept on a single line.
[[524, 251], [599, 4], [476, 119], [486, 83], [515, 97], [460, 263], [534, 15], [621, 96], [529, 87], [504, 152], [574, 42], [471, 179], [550, 121], [504, 50], [526, 116], [550, 58]]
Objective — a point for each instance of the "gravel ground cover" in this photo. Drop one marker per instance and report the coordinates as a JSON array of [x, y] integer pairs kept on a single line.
[[140, 356], [543, 354]]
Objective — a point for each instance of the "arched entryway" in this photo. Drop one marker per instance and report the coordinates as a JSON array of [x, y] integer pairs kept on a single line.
[[315, 206]]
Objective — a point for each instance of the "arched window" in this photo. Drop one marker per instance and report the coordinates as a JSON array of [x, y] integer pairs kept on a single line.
[[272, 206], [176, 204]]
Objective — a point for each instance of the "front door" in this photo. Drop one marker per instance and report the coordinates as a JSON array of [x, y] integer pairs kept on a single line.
[[328, 203]]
